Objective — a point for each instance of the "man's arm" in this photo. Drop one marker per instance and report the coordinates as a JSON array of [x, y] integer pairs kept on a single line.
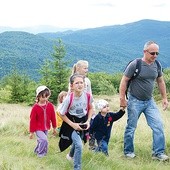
[[122, 91], [162, 89]]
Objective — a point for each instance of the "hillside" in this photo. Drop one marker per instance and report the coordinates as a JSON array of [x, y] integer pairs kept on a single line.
[[17, 150], [107, 49]]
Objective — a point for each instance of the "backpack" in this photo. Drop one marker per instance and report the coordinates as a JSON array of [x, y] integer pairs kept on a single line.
[[137, 71]]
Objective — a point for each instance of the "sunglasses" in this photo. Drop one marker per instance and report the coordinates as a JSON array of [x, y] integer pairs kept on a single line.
[[153, 53]]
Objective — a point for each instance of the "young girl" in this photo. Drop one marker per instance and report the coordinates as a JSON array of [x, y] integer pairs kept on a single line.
[[76, 110], [60, 99], [102, 125], [42, 115], [81, 67]]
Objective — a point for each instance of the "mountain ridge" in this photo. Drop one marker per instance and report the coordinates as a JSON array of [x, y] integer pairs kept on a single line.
[[108, 49]]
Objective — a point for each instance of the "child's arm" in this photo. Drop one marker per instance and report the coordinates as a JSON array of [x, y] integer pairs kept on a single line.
[[119, 114], [53, 116], [69, 122], [90, 113]]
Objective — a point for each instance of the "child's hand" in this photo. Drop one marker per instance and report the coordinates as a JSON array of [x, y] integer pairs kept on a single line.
[[88, 124], [76, 126], [122, 108], [31, 135], [83, 126], [54, 132]]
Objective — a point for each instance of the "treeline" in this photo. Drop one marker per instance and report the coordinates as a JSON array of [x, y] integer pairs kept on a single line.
[[20, 88]]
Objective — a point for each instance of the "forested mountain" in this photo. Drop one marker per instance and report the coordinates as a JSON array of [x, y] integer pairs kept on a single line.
[[108, 49]]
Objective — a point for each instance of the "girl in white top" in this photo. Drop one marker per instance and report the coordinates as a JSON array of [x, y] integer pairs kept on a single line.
[[81, 67]]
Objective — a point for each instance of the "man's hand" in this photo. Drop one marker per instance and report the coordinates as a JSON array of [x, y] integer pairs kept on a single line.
[[165, 104], [123, 102]]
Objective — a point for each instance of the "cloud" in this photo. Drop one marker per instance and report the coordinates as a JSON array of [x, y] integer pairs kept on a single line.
[[80, 13], [103, 5]]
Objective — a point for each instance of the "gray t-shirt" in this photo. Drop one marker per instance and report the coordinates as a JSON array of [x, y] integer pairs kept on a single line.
[[78, 107], [142, 86]]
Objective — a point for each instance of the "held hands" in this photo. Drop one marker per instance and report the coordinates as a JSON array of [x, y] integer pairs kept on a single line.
[[123, 103], [122, 108]]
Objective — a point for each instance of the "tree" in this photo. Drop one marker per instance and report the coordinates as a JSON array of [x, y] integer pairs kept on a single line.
[[46, 72], [55, 73], [102, 83], [18, 86]]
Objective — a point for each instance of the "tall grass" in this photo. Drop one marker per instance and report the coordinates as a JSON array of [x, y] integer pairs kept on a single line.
[[16, 149]]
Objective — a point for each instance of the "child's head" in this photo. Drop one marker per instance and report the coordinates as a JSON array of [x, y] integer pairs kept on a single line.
[[102, 105], [81, 67], [77, 82], [62, 96], [42, 92]]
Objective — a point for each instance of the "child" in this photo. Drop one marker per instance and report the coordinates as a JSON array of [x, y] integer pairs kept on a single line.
[[42, 115], [76, 111], [81, 67], [102, 125], [61, 97]]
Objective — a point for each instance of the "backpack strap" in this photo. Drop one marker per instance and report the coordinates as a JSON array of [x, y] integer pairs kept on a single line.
[[71, 101], [138, 68], [159, 67], [135, 74], [88, 102]]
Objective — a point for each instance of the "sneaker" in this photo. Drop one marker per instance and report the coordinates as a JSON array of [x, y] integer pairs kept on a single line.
[[69, 157], [41, 155], [130, 155], [160, 157], [92, 148], [92, 145]]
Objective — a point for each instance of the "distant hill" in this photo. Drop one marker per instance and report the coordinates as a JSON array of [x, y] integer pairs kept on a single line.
[[108, 49], [36, 29]]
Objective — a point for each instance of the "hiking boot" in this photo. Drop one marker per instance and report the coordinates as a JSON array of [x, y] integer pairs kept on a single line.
[[69, 157], [130, 155], [160, 157]]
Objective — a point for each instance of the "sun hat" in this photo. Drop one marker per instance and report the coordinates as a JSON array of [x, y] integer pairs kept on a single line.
[[100, 104], [40, 89]]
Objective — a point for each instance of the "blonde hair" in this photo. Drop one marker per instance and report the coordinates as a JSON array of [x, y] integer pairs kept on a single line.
[[79, 64], [61, 95]]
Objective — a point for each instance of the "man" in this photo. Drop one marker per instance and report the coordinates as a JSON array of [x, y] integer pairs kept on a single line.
[[140, 100]]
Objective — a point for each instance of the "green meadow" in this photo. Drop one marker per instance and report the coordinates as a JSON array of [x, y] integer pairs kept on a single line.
[[16, 149]]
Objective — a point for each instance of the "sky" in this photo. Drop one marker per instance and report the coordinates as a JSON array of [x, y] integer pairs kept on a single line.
[[80, 13]]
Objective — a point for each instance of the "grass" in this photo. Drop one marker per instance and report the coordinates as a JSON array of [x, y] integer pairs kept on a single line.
[[16, 149]]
